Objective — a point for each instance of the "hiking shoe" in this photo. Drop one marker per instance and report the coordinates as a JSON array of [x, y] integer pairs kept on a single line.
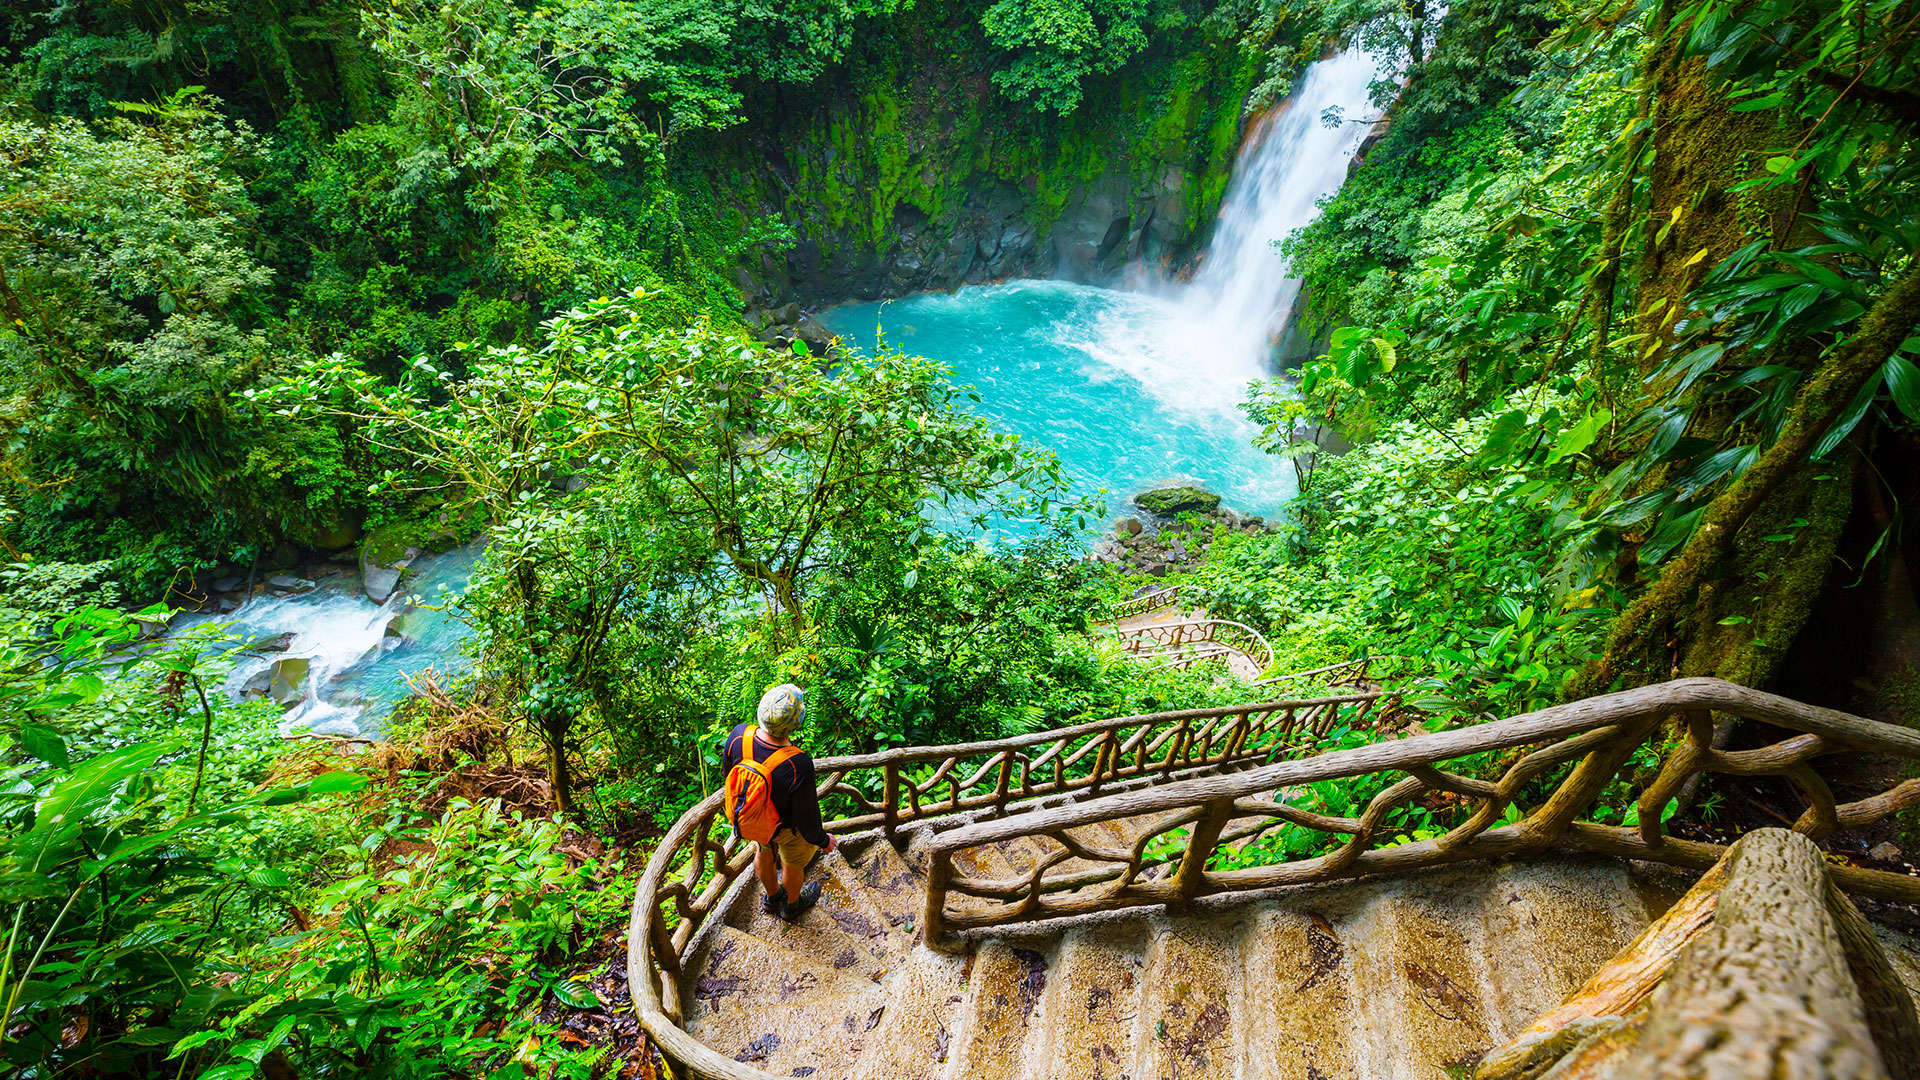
[[774, 905], [809, 896]]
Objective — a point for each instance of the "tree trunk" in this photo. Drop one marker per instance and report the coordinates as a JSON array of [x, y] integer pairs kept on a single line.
[[553, 727]]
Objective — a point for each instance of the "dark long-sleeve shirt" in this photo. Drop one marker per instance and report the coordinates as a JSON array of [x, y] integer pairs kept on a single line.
[[794, 797]]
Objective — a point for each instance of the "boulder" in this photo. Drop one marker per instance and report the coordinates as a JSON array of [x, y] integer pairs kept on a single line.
[[340, 531], [287, 679], [380, 582], [1885, 852], [288, 584], [818, 338], [257, 684], [1128, 526], [228, 583], [1183, 499]]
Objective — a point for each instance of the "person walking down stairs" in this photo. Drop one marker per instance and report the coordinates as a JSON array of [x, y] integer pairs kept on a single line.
[[771, 801]]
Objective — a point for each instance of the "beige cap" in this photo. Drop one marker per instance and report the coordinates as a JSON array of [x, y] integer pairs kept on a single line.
[[782, 709]]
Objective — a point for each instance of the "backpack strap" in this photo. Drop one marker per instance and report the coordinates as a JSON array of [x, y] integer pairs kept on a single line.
[[765, 768]]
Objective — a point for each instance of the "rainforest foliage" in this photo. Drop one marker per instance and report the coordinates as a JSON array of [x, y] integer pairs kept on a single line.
[[1621, 311], [1617, 317]]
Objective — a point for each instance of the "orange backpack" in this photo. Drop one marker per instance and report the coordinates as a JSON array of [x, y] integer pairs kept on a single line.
[[749, 803]]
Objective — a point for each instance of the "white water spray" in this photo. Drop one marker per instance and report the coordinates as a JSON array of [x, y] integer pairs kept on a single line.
[[1210, 336]]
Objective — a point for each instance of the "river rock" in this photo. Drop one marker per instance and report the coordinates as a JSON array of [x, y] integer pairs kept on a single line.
[[288, 584], [1182, 499], [1128, 526], [380, 582], [1885, 852], [227, 583], [287, 679], [270, 643]]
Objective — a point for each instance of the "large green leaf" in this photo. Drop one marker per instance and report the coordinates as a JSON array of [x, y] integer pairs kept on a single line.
[[1581, 435], [1903, 384], [65, 810]]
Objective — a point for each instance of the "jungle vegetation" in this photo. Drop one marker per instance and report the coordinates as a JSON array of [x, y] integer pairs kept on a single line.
[[1618, 316]]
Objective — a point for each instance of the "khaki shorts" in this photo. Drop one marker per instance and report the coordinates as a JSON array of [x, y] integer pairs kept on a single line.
[[793, 848]]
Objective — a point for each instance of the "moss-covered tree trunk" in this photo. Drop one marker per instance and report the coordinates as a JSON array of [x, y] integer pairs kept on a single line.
[[1655, 627], [1734, 600]]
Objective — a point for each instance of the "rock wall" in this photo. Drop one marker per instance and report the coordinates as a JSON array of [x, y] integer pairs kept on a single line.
[[924, 178]]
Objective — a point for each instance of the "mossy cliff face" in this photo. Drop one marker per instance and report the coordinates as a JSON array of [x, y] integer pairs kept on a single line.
[[921, 177]]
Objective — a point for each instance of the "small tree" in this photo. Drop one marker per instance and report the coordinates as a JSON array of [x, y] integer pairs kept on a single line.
[[763, 460]]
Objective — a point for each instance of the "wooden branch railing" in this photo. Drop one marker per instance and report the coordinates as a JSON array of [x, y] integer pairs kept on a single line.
[[1145, 602], [1201, 819], [1181, 643], [1346, 673], [684, 885]]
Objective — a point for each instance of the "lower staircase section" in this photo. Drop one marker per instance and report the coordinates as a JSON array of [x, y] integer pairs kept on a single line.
[[1404, 978]]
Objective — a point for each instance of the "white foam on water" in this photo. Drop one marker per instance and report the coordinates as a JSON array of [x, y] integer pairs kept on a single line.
[[1196, 344]]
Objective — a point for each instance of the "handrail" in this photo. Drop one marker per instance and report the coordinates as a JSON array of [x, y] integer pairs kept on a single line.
[[683, 888], [1174, 641], [1145, 602], [1599, 733], [1345, 673]]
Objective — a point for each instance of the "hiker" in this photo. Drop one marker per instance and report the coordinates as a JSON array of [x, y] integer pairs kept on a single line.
[[771, 801]]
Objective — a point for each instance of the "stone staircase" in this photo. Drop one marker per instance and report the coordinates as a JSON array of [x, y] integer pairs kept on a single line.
[[1401, 978], [1084, 904]]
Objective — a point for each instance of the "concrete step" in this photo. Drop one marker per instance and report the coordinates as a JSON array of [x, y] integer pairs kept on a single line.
[[1005, 985], [1090, 1006], [894, 888], [776, 1010], [1419, 980], [845, 931], [1554, 925], [1189, 1019], [1300, 994], [1392, 979], [915, 1036]]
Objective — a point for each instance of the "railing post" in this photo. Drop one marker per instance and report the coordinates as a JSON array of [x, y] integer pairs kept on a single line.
[[933, 917], [1582, 786], [1200, 843], [1175, 745], [1102, 763], [890, 799], [1000, 785]]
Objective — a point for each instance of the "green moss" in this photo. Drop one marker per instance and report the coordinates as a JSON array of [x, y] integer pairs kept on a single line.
[[926, 133], [429, 522]]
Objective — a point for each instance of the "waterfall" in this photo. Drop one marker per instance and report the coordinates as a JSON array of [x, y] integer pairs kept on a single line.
[[1289, 161], [1200, 342], [1140, 387]]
